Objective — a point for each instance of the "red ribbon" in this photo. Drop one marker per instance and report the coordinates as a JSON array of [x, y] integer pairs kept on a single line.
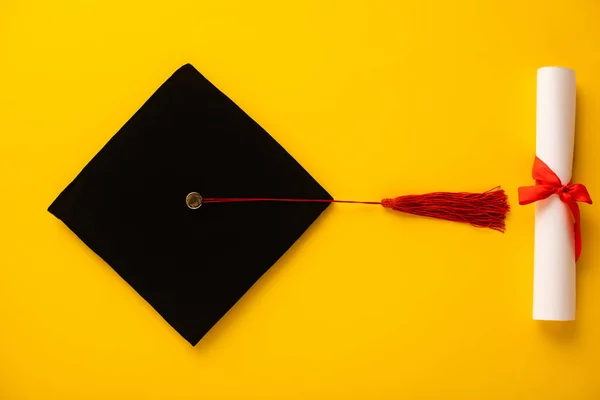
[[548, 183]]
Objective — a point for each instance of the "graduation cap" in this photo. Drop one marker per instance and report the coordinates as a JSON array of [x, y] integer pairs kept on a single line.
[[191, 201]]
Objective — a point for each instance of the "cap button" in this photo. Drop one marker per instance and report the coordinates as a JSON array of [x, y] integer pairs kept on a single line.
[[193, 200]]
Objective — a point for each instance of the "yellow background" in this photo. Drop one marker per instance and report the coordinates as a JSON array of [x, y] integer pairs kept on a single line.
[[374, 98]]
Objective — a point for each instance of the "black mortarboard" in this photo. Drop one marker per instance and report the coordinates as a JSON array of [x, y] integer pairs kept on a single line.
[[139, 203], [129, 203]]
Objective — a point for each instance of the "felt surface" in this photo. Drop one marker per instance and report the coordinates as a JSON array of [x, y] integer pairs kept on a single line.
[[374, 99], [128, 204]]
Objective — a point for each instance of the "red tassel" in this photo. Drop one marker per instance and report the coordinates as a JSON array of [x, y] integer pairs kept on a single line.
[[483, 210]]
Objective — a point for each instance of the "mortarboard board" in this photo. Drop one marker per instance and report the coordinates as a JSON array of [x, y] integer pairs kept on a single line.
[[146, 203]]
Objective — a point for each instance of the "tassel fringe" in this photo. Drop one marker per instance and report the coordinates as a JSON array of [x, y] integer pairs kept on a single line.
[[483, 210]]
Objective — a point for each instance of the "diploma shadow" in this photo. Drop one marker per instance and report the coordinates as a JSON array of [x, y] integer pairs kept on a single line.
[[579, 123], [580, 142], [559, 331], [588, 225], [584, 267]]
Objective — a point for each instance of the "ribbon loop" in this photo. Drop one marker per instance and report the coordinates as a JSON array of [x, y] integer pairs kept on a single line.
[[548, 183]]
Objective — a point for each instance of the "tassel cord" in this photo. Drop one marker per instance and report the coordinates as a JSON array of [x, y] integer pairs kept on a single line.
[[484, 210]]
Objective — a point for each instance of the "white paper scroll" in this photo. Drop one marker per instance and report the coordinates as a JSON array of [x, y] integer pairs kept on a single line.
[[554, 253]]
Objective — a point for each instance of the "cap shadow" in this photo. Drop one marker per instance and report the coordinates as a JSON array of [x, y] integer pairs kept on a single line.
[[229, 321]]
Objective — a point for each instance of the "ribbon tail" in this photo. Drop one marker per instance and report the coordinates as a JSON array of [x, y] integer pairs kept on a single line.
[[574, 207]]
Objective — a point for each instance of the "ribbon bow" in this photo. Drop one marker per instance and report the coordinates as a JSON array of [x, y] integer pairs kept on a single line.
[[548, 183]]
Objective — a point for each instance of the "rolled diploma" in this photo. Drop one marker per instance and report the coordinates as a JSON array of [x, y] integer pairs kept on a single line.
[[554, 252]]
